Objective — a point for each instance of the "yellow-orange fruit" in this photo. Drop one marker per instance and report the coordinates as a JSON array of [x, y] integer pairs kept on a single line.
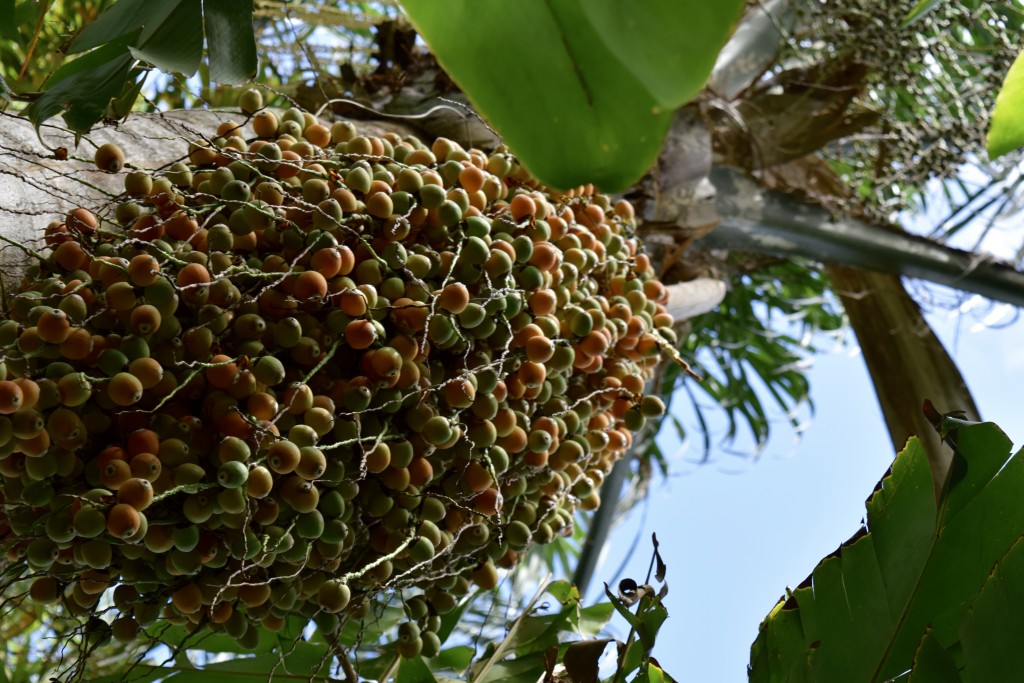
[[193, 274], [11, 397], [310, 285], [360, 334], [114, 473], [223, 371], [123, 520], [145, 319], [475, 477], [454, 298], [188, 599], [137, 492], [53, 326], [29, 392], [124, 389], [147, 370], [145, 466], [78, 344]]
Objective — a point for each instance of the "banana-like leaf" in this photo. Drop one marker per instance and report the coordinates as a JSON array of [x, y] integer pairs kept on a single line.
[[1007, 130], [920, 577], [582, 90], [168, 35]]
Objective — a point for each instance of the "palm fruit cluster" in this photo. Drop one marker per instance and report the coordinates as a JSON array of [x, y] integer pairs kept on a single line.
[[307, 367]]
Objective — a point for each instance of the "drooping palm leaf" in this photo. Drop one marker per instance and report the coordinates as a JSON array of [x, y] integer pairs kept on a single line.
[[920, 574]]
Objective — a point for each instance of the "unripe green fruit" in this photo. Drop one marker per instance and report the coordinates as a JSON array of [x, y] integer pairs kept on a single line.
[[652, 406], [410, 648], [251, 101], [416, 608], [232, 474], [421, 550], [431, 644], [333, 596], [89, 522]]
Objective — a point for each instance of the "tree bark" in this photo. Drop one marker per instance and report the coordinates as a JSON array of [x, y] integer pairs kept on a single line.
[[907, 361]]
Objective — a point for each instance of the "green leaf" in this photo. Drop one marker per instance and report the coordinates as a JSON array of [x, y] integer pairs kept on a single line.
[[230, 40], [581, 659], [651, 620], [632, 619], [919, 10], [304, 662], [555, 81], [992, 628], [863, 612], [663, 44], [123, 18], [176, 636], [175, 42], [454, 658], [141, 673], [415, 670], [83, 95], [8, 22], [563, 591], [527, 669], [594, 618], [932, 664], [1006, 132], [122, 105], [635, 652]]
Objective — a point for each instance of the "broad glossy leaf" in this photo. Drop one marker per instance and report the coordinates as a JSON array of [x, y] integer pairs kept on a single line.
[[123, 17], [175, 41], [141, 673], [665, 43], [560, 83], [863, 612], [594, 618], [1006, 133], [8, 22], [84, 95], [304, 662], [993, 629], [175, 636], [415, 670], [932, 664], [455, 658], [230, 40], [528, 669], [581, 660]]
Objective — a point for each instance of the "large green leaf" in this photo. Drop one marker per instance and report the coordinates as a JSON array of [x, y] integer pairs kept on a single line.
[[864, 611], [582, 90], [124, 17], [992, 632], [1007, 130], [84, 91], [231, 43], [167, 35], [8, 24], [932, 664], [175, 43]]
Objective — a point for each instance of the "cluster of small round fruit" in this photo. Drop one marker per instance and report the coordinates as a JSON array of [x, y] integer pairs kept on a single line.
[[299, 369]]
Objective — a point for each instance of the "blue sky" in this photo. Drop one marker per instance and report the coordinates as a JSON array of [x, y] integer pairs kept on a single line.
[[736, 533]]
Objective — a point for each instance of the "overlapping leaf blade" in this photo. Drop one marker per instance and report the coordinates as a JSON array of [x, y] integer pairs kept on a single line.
[[1007, 130], [565, 83], [168, 35], [231, 44], [917, 569]]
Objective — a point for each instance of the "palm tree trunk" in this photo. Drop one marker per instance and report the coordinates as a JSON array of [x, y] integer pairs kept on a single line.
[[905, 358]]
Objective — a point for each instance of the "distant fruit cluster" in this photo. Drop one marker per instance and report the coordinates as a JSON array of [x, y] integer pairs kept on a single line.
[[303, 368]]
